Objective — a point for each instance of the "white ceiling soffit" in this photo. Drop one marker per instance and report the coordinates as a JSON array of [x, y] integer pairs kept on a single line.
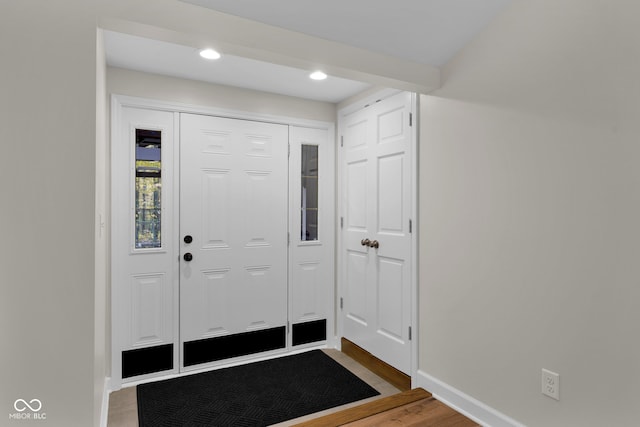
[[158, 57], [425, 31]]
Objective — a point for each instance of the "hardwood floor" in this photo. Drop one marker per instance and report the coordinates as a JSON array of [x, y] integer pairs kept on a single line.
[[413, 408], [367, 409], [390, 374], [423, 413], [392, 407]]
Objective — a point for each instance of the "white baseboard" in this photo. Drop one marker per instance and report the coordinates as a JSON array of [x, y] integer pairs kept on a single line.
[[463, 403], [104, 411]]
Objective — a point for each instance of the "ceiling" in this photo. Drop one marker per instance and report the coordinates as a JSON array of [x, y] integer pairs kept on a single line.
[[422, 31], [169, 59], [425, 31]]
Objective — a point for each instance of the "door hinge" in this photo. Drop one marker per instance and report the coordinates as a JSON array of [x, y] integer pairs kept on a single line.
[[410, 226], [341, 222], [288, 238], [289, 150], [342, 141], [409, 333], [410, 119], [341, 303]]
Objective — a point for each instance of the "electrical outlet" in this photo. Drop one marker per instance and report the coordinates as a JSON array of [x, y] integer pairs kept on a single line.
[[551, 384]]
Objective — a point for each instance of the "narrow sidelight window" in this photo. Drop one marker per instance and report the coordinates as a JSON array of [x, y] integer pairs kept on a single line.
[[148, 189], [309, 196]]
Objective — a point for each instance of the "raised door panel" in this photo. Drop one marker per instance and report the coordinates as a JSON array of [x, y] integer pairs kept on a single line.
[[216, 192], [357, 213], [215, 285], [310, 292], [390, 206], [150, 303]]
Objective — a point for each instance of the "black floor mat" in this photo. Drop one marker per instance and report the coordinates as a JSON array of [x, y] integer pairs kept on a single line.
[[257, 394]]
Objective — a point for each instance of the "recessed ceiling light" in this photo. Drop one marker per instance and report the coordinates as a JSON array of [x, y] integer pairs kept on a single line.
[[318, 75], [209, 54]]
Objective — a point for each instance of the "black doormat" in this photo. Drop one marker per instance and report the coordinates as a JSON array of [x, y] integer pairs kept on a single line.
[[257, 394]]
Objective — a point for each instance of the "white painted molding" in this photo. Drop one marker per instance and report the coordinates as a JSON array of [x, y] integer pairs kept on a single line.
[[463, 403], [104, 410], [366, 101], [179, 107]]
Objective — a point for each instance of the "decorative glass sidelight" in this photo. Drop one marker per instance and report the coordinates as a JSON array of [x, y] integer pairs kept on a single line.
[[309, 196], [148, 186]]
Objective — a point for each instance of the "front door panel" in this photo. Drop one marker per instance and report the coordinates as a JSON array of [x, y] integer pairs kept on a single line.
[[233, 204]]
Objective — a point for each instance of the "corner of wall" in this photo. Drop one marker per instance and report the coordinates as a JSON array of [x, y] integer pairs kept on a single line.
[[463, 403]]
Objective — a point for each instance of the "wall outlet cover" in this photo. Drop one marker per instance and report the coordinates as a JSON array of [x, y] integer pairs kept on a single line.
[[551, 384]]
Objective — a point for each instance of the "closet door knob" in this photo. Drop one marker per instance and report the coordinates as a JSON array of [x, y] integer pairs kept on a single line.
[[188, 239], [365, 242], [187, 257], [375, 244]]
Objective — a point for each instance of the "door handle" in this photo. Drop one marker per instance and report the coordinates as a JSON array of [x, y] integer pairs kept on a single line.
[[365, 242], [375, 244], [187, 257]]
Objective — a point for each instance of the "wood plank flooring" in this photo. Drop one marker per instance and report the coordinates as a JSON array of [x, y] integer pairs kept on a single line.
[[411, 408], [390, 374], [423, 413], [368, 409]]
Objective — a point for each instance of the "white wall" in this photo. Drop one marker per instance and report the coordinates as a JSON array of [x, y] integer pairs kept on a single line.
[[153, 86], [529, 213], [47, 183]]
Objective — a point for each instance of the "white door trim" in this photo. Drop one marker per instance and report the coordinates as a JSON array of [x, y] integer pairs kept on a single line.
[[177, 107], [342, 114]]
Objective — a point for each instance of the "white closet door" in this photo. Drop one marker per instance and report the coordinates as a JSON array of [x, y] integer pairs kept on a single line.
[[233, 238], [376, 254]]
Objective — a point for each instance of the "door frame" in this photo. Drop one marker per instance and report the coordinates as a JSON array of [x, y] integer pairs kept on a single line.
[[340, 264], [117, 104]]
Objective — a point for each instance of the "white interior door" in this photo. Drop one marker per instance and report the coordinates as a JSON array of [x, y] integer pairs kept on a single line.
[[233, 238], [376, 246]]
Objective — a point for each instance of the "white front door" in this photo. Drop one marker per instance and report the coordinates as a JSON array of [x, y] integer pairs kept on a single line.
[[233, 238], [376, 238], [201, 211]]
